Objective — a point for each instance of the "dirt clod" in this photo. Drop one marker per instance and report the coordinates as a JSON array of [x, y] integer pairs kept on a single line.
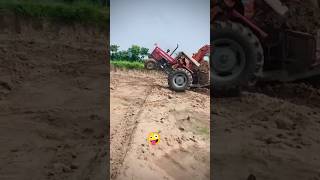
[[284, 124], [74, 166]]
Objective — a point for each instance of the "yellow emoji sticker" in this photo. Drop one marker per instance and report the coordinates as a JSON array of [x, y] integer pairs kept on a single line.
[[154, 138]]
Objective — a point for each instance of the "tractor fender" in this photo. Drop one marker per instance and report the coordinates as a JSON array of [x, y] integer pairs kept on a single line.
[[176, 66], [185, 67], [248, 23], [217, 11]]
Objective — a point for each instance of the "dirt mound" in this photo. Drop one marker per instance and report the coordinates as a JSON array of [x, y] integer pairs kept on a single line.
[[272, 133], [298, 93], [52, 101], [302, 16], [203, 73]]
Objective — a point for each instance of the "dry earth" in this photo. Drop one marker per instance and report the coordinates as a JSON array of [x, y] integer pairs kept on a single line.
[[272, 134], [141, 103], [53, 101]]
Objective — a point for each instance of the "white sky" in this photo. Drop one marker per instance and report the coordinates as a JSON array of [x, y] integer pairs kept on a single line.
[[165, 22]]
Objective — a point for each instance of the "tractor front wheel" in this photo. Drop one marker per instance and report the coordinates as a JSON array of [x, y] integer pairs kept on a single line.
[[180, 79], [150, 64]]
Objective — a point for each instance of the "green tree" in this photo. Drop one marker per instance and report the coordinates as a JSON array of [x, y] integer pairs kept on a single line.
[[144, 52], [122, 55], [114, 51], [134, 51], [114, 48]]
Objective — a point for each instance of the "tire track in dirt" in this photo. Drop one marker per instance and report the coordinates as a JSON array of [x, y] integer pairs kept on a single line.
[[123, 133], [182, 118], [131, 132]]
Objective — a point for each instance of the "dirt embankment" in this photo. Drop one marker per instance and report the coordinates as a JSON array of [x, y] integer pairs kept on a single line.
[[53, 96], [142, 103], [273, 133], [302, 15]]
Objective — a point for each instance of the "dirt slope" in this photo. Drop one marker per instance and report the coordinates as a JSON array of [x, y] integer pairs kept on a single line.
[[52, 101], [273, 133], [141, 103]]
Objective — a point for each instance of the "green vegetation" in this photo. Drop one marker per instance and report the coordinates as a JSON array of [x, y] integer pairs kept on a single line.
[[133, 58], [203, 130], [82, 11], [127, 64], [134, 53]]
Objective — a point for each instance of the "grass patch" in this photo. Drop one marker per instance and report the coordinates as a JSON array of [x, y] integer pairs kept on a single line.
[[77, 11], [128, 64], [203, 130]]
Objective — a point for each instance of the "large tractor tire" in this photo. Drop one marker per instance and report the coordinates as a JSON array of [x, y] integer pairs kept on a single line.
[[150, 64], [237, 58], [180, 80]]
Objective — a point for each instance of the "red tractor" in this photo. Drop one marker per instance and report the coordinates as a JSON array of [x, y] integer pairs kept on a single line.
[[183, 71], [258, 40]]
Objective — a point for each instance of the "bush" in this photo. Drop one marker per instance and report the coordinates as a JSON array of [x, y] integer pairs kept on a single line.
[[77, 11], [128, 64]]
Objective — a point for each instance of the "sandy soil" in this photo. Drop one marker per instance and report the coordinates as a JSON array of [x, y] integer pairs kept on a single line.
[[273, 133], [141, 103], [53, 85]]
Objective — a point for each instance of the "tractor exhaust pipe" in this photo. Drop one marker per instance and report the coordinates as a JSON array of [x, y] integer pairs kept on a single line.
[[174, 49]]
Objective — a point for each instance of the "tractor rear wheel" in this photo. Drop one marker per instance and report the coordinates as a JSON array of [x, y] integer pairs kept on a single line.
[[180, 79], [150, 64], [237, 59]]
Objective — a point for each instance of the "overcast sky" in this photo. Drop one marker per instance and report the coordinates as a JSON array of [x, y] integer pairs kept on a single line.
[[165, 22]]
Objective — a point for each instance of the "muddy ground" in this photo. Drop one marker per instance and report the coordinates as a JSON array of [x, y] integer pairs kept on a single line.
[[53, 101], [141, 103]]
